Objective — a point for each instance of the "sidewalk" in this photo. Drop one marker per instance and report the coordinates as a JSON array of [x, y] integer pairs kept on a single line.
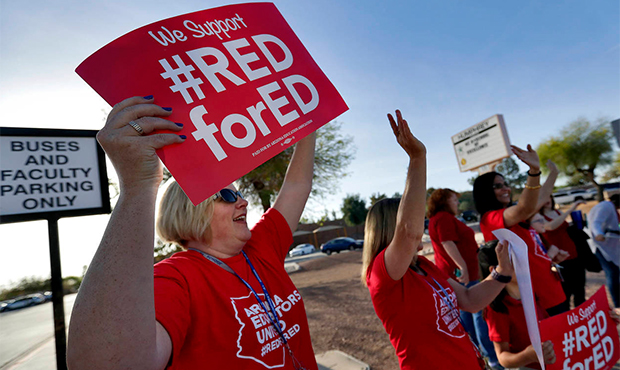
[[44, 358]]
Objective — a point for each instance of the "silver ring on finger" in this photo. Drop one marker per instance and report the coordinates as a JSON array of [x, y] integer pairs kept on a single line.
[[136, 127]]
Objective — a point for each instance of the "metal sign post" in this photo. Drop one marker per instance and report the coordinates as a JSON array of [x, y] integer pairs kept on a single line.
[[57, 295]]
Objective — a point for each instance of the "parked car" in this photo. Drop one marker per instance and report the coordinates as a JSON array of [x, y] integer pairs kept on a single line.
[[470, 216], [21, 302], [359, 243], [571, 196], [426, 221], [339, 244], [301, 249], [47, 295]]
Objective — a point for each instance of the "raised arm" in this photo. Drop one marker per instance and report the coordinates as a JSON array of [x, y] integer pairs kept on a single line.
[[297, 184], [547, 188], [410, 216], [556, 222], [529, 197], [113, 322]]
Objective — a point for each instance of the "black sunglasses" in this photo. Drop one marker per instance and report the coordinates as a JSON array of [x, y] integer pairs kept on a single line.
[[500, 185], [228, 195]]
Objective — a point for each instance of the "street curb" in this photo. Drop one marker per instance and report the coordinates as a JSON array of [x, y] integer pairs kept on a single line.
[[291, 267], [337, 360]]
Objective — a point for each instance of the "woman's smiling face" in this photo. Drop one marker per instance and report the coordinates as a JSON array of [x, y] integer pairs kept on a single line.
[[502, 190]]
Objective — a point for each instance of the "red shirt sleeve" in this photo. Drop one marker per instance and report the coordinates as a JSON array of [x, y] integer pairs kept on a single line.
[[499, 325], [272, 233], [377, 276], [446, 228], [172, 304], [490, 222]]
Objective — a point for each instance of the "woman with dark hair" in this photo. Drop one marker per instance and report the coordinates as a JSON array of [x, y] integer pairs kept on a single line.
[[492, 197], [573, 268], [506, 321], [455, 249], [416, 302]]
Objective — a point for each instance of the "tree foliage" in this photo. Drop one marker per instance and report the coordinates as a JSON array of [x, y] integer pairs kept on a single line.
[[510, 169], [614, 171], [579, 149], [375, 197], [333, 154], [354, 209]]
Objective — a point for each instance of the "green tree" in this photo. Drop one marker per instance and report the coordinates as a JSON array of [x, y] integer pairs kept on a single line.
[[375, 197], [333, 154], [510, 169], [466, 201], [579, 149], [614, 171], [354, 210]]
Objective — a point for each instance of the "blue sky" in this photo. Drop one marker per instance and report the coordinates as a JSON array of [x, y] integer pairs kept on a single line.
[[446, 64]]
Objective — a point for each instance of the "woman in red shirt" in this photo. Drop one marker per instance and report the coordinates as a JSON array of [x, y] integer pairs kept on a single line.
[[573, 269], [506, 321], [456, 251], [416, 302], [492, 197]]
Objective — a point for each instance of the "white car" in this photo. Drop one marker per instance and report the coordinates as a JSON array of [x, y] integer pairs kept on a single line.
[[571, 196], [301, 249]]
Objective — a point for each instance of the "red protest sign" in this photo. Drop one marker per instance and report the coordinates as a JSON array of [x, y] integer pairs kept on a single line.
[[583, 338], [237, 77]]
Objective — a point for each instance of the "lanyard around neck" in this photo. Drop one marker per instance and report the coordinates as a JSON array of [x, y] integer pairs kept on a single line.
[[273, 315]]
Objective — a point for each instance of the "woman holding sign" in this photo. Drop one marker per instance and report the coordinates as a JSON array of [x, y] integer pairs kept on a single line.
[[225, 302], [493, 201], [417, 303]]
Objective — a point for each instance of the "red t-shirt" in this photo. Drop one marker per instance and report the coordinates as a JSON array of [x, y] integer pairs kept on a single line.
[[559, 237], [443, 227], [213, 319], [424, 330], [545, 283], [511, 327]]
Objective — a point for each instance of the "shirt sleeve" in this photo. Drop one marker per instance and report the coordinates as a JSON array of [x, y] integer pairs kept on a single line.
[[377, 276], [490, 222], [601, 215], [272, 234], [499, 325], [446, 228], [172, 304]]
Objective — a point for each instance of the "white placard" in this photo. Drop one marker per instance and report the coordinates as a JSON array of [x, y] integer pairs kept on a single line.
[[48, 174], [482, 143], [520, 261]]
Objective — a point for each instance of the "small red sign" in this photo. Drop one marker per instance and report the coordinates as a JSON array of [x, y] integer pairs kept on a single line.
[[237, 77], [583, 338]]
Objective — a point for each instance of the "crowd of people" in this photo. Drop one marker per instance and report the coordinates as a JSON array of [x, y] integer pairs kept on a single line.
[[226, 301]]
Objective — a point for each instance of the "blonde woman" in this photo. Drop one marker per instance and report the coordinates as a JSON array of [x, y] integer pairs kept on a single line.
[[224, 303], [417, 303]]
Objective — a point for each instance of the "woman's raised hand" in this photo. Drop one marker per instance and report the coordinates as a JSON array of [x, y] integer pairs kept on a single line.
[[133, 152], [529, 157], [504, 266], [552, 167], [405, 138]]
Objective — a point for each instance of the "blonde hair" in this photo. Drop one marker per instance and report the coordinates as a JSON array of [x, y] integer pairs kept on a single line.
[[379, 230], [179, 221]]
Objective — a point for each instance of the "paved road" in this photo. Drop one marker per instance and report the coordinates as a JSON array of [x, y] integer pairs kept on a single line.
[[26, 331]]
